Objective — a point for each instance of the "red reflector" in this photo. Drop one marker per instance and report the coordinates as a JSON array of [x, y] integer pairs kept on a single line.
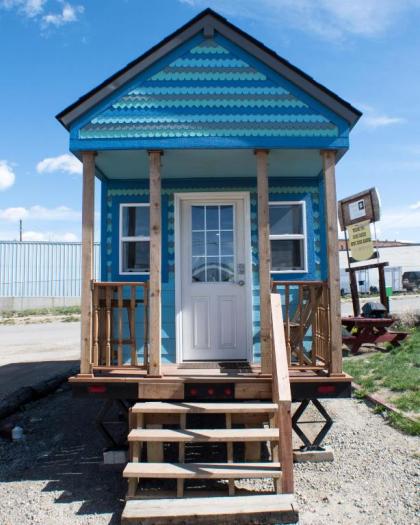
[[96, 389], [210, 391], [193, 392], [228, 392], [326, 389]]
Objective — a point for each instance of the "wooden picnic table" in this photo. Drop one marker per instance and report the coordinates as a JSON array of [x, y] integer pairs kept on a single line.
[[370, 330]]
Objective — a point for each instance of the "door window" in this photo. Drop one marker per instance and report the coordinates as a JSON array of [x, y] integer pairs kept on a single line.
[[213, 253]]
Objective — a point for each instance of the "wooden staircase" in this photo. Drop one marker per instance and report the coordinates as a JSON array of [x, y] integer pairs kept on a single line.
[[242, 422]]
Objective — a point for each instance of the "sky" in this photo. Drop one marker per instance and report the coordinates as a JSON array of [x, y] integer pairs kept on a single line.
[[53, 51]]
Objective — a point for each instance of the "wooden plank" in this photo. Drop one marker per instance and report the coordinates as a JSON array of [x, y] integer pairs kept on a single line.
[[132, 325], [161, 390], [336, 362], [95, 325], [205, 435], [108, 312], [264, 259], [88, 212], [154, 447], [181, 456], [252, 390], [280, 368], [228, 470], [284, 421], [120, 325], [158, 407], [277, 508], [155, 264], [229, 454]]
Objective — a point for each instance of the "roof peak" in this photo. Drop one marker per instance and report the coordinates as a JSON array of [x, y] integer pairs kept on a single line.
[[208, 22]]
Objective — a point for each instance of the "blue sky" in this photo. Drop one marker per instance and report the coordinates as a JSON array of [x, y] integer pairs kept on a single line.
[[53, 51]]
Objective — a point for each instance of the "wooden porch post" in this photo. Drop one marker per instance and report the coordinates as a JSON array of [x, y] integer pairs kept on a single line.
[[155, 264], [328, 158], [88, 214], [264, 260]]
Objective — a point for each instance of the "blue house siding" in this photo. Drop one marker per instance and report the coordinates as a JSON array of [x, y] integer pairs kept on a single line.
[[117, 192], [209, 93]]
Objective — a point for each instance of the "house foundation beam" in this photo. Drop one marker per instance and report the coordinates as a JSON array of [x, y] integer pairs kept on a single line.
[[336, 357], [88, 214], [264, 260], [155, 285]]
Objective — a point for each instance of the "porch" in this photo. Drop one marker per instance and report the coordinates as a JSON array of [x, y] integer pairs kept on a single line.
[[122, 319]]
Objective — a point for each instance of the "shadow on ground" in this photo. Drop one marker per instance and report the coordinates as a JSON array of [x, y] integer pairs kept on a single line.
[[63, 448]]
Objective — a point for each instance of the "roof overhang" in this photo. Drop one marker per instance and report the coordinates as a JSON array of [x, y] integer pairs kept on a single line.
[[208, 22]]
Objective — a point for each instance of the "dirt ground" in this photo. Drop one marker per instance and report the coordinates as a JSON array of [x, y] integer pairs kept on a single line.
[[55, 476]]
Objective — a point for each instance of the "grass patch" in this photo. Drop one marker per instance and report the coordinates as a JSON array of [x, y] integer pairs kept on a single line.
[[397, 373], [57, 310]]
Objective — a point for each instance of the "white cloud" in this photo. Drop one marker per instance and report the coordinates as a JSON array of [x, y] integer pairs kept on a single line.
[[329, 19], [372, 118], [380, 121], [29, 8], [7, 175], [40, 213], [68, 14], [36, 10], [49, 236], [67, 163], [401, 223], [415, 206]]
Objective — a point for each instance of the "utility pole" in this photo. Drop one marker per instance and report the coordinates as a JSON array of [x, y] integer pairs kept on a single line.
[[20, 230]]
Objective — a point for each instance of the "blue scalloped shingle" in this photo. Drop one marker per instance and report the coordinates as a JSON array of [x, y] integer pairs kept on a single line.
[[208, 92]]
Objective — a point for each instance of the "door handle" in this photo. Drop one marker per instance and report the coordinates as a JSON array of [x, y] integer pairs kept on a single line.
[[241, 283]]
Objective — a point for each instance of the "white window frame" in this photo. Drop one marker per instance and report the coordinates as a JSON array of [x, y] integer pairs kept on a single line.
[[293, 236], [130, 238]]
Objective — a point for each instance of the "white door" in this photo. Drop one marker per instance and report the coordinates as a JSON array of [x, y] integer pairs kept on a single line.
[[214, 279]]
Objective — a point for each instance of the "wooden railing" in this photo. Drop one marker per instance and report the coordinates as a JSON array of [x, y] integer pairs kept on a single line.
[[282, 394], [306, 323], [115, 322]]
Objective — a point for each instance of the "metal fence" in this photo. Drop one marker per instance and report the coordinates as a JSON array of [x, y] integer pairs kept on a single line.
[[42, 269]]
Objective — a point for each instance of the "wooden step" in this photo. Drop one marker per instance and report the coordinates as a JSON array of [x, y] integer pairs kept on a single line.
[[202, 470], [265, 509], [158, 407], [201, 436]]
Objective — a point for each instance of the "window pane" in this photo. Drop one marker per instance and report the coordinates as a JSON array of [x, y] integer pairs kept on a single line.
[[226, 269], [198, 269], [198, 243], [213, 243], [213, 274], [226, 240], [286, 219], [287, 255], [226, 217], [135, 221], [212, 217], [197, 217], [136, 256]]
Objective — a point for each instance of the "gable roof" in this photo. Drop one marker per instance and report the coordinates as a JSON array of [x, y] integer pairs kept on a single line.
[[208, 22]]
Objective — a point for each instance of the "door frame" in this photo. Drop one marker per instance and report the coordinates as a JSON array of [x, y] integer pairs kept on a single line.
[[179, 198]]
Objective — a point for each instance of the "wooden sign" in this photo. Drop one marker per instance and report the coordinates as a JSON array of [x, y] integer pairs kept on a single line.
[[363, 206], [360, 241]]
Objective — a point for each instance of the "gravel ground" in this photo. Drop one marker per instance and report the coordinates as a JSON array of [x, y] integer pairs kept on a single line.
[[55, 476]]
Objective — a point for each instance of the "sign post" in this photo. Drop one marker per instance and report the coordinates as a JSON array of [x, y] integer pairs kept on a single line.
[[355, 213]]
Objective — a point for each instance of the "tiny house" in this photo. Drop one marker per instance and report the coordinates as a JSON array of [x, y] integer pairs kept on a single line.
[[220, 286]]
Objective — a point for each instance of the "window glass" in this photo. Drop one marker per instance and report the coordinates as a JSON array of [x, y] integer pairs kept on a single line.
[[212, 243], [135, 256], [135, 221], [286, 219], [287, 237], [286, 255], [135, 241]]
